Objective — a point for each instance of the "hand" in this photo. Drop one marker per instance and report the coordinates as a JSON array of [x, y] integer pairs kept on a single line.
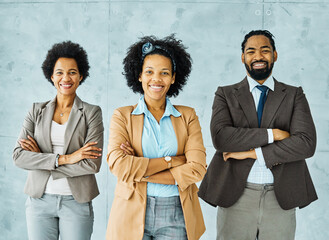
[[178, 160], [127, 149], [240, 155], [29, 144], [87, 151], [279, 135]]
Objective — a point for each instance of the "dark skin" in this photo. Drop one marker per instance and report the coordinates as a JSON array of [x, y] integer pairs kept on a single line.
[[258, 49], [157, 171], [156, 78], [66, 79]]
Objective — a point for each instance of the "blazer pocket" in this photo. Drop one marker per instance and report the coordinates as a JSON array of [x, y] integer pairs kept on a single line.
[[123, 191]]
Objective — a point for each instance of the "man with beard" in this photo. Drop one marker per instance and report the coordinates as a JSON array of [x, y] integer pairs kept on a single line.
[[263, 131]]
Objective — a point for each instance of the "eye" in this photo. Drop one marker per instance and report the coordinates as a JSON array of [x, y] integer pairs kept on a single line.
[[148, 72], [266, 51], [72, 73], [165, 73], [59, 73]]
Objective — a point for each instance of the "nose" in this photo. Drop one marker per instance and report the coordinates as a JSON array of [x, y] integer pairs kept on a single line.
[[258, 55], [65, 76], [156, 77]]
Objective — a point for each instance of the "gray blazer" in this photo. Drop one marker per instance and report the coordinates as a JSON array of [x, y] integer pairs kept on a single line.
[[84, 125], [234, 128]]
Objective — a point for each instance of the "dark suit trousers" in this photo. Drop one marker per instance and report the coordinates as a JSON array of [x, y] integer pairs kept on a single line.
[[256, 215]]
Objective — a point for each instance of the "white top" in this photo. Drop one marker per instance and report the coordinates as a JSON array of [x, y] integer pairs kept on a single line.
[[58, 186]]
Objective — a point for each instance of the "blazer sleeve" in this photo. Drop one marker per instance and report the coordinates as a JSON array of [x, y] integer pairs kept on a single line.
[[195, 167], [95, 133], [302, 141], [225, 136], [31, 160], [126, 168]]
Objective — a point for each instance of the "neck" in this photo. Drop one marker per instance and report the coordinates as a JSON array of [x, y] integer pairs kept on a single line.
[[65, 101], [155, 105], [261, 81]]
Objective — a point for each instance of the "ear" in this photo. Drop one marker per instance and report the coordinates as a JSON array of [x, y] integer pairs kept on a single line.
[[275, 55], [52, 78], [242, 58], [173, 78], [81, 77]]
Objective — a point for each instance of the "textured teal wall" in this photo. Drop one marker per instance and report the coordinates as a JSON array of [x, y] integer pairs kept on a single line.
[[213, 31]]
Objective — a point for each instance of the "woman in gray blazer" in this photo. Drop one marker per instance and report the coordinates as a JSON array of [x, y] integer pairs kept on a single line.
[[60, 145]]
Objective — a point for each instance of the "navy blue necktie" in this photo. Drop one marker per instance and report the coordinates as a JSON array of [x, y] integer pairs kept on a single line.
[[261, 103]]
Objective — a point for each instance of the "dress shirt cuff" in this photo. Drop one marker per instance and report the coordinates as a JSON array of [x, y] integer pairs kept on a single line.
[[260, 157], [270, 136]]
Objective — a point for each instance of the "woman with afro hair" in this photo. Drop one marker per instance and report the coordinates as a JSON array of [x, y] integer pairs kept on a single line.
[[156, 149], [60, 145]]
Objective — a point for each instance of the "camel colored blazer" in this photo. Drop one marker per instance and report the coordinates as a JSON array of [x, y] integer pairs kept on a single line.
[[127, 215], [84, 125], [234, 128]]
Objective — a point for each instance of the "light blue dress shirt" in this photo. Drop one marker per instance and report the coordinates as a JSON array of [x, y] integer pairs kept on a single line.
[[259, 173], [158, 140]]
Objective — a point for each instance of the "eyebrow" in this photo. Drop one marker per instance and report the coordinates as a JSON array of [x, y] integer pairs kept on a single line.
[[59, 69], [252, 48], [161, 69]]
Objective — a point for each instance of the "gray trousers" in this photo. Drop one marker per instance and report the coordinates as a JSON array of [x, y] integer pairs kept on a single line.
[[53, 215], [256, 215], [164, 219]]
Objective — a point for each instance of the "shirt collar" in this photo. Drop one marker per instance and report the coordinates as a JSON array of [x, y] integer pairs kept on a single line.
[[142, 108], [268, 83]]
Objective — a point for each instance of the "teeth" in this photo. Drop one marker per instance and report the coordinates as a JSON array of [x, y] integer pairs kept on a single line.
[[259, 64], [157, 87], [66, 85]]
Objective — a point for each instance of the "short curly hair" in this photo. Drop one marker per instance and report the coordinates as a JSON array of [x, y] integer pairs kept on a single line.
[[265, 33], [174, 50], [66, 49]]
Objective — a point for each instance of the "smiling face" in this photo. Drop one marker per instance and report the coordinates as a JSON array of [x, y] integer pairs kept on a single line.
[[259, 57], [156, 78], [66, 76]]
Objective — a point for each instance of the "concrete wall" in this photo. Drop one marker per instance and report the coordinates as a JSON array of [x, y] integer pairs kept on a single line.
[[213, 31]]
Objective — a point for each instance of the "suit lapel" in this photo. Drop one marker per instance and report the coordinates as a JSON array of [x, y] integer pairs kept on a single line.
[[75, 115], [246, 102], [47, 117], [137, 125], [272, 104], [177, 125]]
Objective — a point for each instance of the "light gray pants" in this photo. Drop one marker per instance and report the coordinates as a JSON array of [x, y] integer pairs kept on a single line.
[[256, 215], [53, 215], [164, 219]]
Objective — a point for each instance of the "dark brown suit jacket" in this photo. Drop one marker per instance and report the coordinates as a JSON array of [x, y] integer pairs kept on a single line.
[[234, 128]]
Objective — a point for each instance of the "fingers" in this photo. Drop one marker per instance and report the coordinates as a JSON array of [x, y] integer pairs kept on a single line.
[[93, 155], [89, 144], [32, 140], [25, 145], [127, 148], [226, 156], [29, 145]]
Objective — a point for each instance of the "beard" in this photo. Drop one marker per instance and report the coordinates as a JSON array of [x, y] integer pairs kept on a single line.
[[260, 74]]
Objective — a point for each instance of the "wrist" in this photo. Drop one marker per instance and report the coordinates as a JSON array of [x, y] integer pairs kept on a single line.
[[168, 159], [62, 159], [253, 154]]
